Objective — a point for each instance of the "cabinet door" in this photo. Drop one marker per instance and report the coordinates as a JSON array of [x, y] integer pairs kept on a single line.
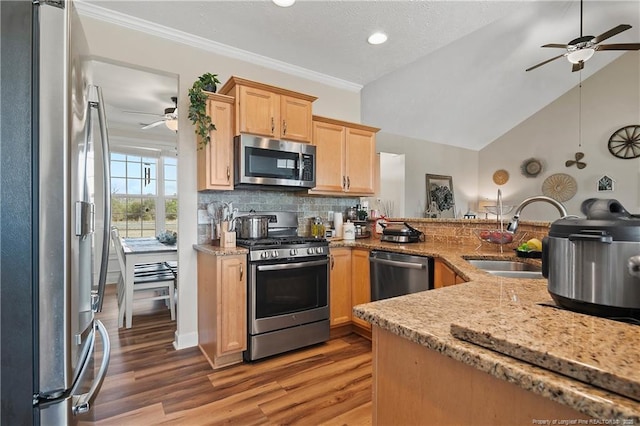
[[360, 282], [232, 304], [360, 155], [215, 161], [340, 286], [259, 112], [443, 276], [295, 118], [329, 140]]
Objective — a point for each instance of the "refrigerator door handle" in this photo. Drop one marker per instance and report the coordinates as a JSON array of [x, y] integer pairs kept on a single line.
[[82, 403], [106, 237]]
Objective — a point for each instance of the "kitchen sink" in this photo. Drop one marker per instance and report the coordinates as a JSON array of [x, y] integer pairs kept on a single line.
[[508, 268]]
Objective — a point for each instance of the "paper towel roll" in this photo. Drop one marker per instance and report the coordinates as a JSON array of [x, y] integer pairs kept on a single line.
[[337, 224]]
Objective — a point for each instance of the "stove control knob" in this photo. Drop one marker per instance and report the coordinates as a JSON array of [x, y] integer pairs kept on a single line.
[[310, 250], [293, 252], [319, 250], [274, 253], [264, 255]]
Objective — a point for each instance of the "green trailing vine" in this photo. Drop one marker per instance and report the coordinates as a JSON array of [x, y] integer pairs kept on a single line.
[[198, 106]]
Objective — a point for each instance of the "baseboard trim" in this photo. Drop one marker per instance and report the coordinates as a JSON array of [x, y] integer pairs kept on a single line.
[[185, 340]]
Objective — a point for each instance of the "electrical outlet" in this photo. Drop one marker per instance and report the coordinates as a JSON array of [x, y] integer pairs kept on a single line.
[[203, 217]]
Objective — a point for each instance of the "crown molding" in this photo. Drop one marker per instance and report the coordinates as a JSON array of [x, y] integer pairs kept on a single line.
[[156, 30]]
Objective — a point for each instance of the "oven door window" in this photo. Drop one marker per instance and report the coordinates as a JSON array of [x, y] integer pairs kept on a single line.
[[268, 163], [290, 290]]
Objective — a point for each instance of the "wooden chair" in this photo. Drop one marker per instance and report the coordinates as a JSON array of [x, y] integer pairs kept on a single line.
[[154, 281]]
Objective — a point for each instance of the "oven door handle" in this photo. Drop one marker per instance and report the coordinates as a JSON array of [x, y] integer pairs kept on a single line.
[[292, 265]]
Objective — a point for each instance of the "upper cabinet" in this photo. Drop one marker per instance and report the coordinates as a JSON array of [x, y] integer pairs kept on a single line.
[[215, 160], [345, 157], [270, 111]]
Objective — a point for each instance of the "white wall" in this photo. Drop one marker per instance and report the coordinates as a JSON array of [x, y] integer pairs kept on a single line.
[[610, 100], [115, 43], [423, 157]]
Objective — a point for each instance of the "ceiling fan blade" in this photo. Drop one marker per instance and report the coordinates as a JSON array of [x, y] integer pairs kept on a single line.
[[545, 62], [154, 124], [578, 66], [561, 46], [613, 31], [619, 46]]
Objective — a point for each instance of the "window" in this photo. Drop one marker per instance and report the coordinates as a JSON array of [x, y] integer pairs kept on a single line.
[[144, 194]]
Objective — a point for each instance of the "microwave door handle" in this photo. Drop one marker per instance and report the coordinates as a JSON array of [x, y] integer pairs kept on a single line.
[[300, 167]]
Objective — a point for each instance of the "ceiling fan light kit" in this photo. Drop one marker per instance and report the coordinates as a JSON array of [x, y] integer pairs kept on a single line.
[[581, 49]]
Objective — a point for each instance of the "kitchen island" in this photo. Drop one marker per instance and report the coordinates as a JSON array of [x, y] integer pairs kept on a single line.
[[425, 375]]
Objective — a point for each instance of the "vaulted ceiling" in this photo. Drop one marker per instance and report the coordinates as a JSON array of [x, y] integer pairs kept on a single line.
[[452, 72]]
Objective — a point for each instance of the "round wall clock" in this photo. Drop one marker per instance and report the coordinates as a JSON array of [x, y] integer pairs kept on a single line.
[[625, 142]]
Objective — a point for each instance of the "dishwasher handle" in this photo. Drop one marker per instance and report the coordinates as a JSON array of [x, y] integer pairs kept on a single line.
[[409, 265]]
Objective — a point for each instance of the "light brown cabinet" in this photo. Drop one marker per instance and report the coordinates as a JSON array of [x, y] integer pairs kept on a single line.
[[340, 286], [222, 308], [444, 276], [265, 110], [215, 160], [345, 157], [360, 282]]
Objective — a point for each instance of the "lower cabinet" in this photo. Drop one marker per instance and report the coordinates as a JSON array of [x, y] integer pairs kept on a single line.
[[349, 285], [340, 286], [222, 308], [360, 282], [444, 276]]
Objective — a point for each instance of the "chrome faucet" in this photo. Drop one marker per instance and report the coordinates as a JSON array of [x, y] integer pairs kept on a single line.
[[513, 225]]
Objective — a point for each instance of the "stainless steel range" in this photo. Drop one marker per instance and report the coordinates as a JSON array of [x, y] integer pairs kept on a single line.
[[288, 289]]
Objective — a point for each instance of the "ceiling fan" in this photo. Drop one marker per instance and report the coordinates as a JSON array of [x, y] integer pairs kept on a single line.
[[581, 49], [169, 118]]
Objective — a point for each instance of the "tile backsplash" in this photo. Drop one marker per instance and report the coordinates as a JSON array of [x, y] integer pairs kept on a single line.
[[269, 200]]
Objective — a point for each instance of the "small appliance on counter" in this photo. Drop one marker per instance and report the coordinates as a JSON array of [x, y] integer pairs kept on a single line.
[[593, 264], [400, 232]]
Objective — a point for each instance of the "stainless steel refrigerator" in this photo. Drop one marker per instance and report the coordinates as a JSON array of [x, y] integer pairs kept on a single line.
[[55, 217]]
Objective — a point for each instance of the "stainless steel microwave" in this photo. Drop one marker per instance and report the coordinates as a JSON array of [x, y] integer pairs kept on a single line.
[[263, 162]]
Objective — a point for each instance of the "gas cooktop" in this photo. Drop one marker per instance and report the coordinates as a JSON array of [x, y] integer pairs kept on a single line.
[[279, 241]]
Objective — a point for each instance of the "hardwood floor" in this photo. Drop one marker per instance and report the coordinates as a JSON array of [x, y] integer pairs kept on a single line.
[[150, 383]]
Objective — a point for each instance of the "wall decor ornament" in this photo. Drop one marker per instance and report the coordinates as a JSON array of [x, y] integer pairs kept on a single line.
[[531, 167], [606, 184], [500, 177], [560, 186], [625, 142], [440, 195], [579, 164]]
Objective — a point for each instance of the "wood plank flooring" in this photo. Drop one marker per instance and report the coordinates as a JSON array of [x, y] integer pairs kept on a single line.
[[150, 383]]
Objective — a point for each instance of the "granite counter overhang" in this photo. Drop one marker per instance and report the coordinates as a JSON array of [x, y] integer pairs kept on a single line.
[[426, 318]]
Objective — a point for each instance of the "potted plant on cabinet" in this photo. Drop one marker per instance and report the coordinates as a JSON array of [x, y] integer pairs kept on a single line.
[[198, 106]]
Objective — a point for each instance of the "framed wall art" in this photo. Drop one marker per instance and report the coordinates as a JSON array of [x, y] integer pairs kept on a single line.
[[606, 184], [440, 199]]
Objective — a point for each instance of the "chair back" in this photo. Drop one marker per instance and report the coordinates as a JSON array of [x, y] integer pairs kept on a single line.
[[115, 237]]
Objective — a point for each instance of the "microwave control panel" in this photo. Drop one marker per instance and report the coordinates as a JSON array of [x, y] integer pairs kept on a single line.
[[307, 167]]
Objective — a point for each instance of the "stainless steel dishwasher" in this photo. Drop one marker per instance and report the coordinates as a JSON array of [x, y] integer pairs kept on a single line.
[[395, 274]]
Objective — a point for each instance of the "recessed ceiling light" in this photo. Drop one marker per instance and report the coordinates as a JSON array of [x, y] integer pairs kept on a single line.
[[284, 3], [377, 38]]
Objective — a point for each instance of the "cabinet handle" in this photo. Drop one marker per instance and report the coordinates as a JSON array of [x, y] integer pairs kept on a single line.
[[273, 125], [348, 183], [228, 173], [332, 262], [344, 182], [284, 127], [241, 272]]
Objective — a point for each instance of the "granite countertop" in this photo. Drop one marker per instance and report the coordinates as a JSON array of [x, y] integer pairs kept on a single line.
[[426, 318], [219, 251]]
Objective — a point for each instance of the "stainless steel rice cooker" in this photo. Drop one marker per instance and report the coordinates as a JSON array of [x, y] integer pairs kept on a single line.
[[593, 263]]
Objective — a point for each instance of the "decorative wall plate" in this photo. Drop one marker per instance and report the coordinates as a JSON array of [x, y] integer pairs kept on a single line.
[[625, 142], [560, 187], [500, 177], [531, 167]]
